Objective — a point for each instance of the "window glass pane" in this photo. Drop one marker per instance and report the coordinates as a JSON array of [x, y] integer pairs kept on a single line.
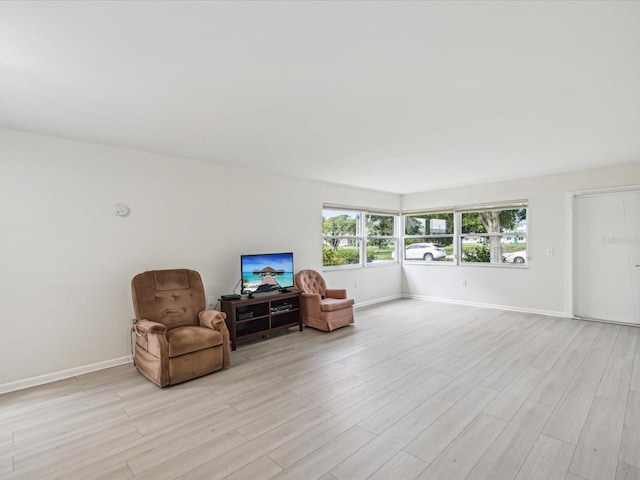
[[380, 225], [340, 222], [340, 251], [429, 249], [476, 249], [381, 250], [429, 224], [472, 223], [494, 221]]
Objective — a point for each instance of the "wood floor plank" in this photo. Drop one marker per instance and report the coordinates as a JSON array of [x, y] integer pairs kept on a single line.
[[382, 448], [392, 413], [119, 471], [461, 455], [262, 468], [627, 472], [549, 460], [557, 347], [569, 416], [635, 378], [596, 456], [154, 453], [508, 452], [6, 464], [401, 466], [470, 379], [236, 459], [325, 458], [435, 439], [616, 379], [595, 363], [509, 401], [294, 450], [550, 390], [630, 443], [175, 467]]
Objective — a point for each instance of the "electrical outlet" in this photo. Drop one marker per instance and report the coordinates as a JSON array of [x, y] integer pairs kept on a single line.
[[550, 252], [355, 284], [210, 300], [464, 283]]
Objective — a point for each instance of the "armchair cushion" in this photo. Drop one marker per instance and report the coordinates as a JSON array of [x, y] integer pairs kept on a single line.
[[333, 304], [191, 339]]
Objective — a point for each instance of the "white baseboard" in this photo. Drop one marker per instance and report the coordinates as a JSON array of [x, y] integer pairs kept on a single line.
[[61, 375], [507, 308], [376, 301]]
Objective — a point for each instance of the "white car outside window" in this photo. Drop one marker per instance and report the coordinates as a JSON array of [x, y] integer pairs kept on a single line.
[[515, 257], [424, 251]]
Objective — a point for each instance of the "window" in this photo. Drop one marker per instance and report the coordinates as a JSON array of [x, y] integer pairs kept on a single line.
[[429, 237], [494, 234], [381, 237], [352, 237]]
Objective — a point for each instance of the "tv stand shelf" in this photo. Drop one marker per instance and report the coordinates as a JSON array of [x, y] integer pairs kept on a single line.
[[249, 318]]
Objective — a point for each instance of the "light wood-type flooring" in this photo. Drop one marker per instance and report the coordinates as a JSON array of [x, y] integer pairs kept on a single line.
[[415, 390]]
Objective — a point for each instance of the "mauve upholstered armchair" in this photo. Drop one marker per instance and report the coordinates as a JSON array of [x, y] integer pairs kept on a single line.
[[176, 339], [322, 308]]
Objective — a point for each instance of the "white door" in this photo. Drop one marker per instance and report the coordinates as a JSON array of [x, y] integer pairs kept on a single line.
[[606, 247]]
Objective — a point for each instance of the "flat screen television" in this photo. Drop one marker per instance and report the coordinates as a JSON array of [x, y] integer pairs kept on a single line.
[[266, 272]]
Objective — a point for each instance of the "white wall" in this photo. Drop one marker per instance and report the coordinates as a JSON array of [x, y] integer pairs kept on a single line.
[[67, 259], [543, 285]]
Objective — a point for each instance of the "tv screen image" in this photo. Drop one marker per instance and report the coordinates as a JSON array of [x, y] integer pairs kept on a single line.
[[266, 272]]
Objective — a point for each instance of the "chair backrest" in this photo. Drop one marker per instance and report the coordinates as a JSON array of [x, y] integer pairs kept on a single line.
[[310, 281], [171, 297]]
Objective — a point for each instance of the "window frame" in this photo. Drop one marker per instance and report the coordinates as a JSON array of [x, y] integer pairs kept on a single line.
[[458, 236], [427, 236], [361, 237], [392, 239]]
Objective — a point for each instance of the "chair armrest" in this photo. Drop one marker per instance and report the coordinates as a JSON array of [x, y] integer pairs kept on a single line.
[[311, 301], [212, 319], [215, 320], [147, 326], [336, 293]]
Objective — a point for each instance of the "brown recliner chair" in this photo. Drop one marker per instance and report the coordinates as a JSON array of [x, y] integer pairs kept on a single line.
[[176, 339], [322, 308]]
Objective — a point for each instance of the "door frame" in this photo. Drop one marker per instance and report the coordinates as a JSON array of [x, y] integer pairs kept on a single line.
[[571, 225]]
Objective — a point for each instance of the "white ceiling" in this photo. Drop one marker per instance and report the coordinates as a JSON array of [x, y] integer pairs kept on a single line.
[[392, 96]]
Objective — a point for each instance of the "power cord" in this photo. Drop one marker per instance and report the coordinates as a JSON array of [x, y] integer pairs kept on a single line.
[[134, 329]]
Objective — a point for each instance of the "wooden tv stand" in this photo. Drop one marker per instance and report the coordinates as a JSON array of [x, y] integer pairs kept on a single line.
[[261, 315]]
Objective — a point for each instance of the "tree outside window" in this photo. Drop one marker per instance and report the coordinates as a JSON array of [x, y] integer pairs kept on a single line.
[[490, 236]]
